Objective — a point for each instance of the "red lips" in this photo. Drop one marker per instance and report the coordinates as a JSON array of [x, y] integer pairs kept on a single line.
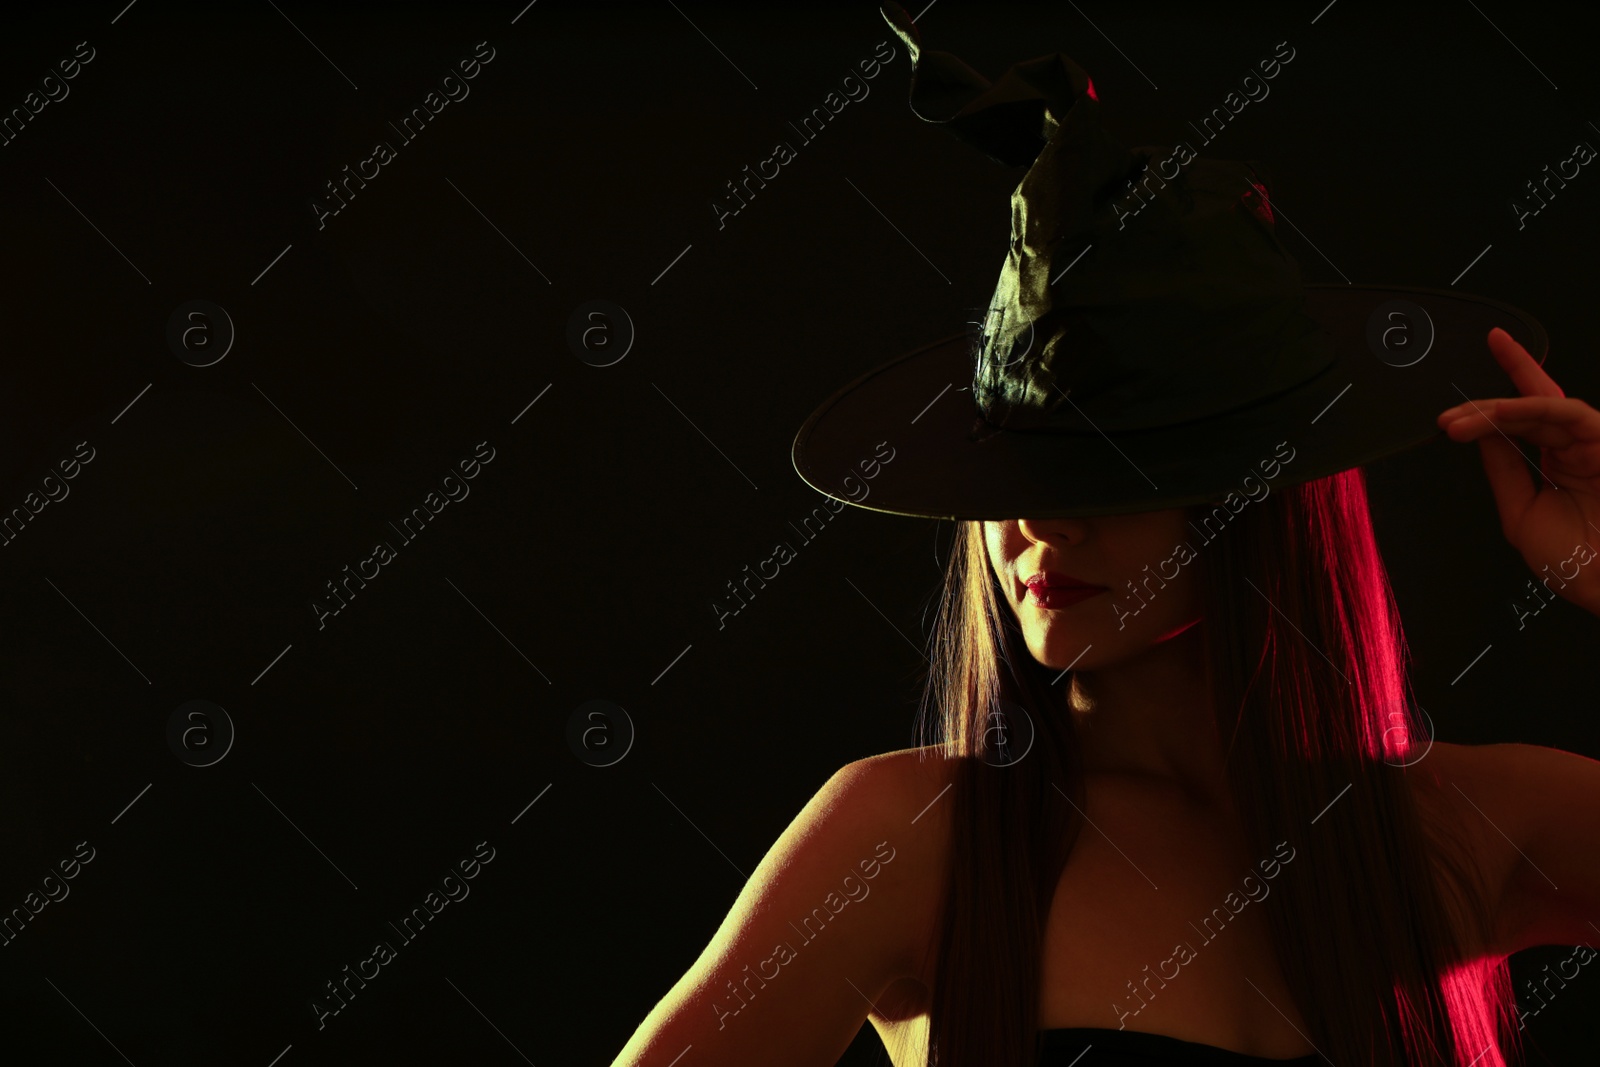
[[1052, 589], [1057, 580]]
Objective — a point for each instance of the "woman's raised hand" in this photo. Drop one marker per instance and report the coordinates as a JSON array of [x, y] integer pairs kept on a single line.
[[1553, 520]]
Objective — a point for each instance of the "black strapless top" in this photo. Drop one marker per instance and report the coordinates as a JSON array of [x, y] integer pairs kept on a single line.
[[1134, 1048]]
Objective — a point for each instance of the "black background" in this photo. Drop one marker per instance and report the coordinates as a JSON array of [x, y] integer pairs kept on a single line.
[[431, 711]]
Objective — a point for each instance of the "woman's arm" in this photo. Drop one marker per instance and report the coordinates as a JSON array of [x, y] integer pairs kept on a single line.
[[1542, 802], [1539, 808], [839, 909]]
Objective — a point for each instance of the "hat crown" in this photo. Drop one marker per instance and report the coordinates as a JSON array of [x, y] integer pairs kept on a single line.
[[1141, 288]]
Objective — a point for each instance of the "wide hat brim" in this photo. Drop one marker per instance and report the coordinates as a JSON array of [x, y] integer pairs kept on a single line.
[[946, 463]]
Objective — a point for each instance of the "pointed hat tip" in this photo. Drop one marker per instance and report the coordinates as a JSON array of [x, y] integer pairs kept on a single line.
[[900, 21]]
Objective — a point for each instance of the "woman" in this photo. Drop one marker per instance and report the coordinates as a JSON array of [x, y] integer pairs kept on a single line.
[[1173, 804]]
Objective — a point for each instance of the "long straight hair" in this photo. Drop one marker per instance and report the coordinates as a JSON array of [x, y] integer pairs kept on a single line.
[[1306, 664]]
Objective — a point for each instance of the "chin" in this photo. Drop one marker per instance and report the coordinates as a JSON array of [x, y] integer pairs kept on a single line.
[[1058, 652], [1086, 650]]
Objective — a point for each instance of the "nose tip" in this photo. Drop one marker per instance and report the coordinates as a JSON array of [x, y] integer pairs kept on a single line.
[[1054, 531]]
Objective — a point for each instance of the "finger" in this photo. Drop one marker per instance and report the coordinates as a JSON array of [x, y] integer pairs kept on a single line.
[[1561, 460], [1583, 420], [1526, 374], [1543, 434], [1509, 480], [1550, 422], [1576, 421]]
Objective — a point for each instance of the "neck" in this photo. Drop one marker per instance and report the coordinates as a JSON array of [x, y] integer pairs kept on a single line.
[[1151, 715]]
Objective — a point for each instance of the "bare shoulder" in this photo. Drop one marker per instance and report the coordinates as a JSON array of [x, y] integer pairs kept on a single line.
[[905, 794], [1530, 816], [894, 800], [905, 775], [877, 828], [836, 915]]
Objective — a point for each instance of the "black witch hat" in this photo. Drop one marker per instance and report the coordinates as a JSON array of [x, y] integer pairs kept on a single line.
[[1150, 343]]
